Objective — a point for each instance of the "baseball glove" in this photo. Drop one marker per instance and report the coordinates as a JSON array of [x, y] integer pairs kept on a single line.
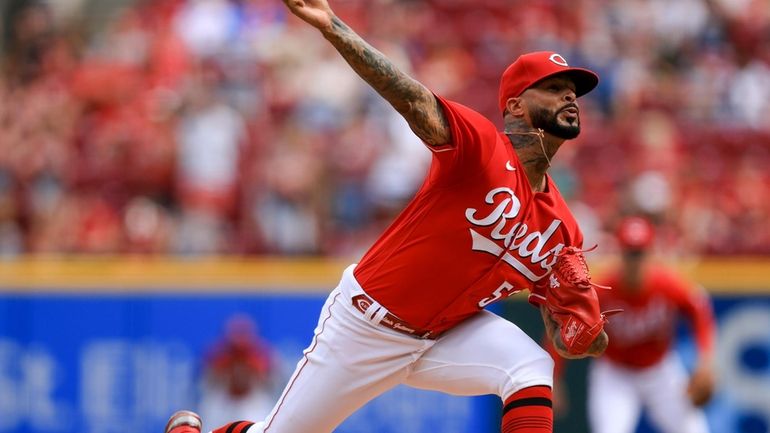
[[571, 298]]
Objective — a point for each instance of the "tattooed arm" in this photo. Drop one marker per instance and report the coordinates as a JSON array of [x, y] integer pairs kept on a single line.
[[408, 96]]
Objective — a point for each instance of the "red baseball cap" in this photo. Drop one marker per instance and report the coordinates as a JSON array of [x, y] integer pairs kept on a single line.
[[635, 233], [530, 68]]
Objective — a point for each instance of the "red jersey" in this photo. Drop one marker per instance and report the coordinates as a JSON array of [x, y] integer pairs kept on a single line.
[[643, 333], [474, 233]]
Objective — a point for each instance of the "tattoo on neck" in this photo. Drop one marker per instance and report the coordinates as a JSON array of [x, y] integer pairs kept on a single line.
[[520, 140]]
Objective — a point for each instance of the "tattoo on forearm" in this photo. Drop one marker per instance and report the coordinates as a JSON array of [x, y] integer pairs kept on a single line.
[[410, 98]]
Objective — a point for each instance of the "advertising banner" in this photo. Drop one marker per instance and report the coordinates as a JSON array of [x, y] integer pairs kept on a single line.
[[116, 346], [123, 363]]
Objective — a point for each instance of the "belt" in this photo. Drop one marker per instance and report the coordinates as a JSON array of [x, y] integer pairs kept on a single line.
[[391, 321]]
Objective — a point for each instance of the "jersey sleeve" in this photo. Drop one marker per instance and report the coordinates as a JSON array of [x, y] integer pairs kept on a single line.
[[695, 304], [473, 139], [578, 239]]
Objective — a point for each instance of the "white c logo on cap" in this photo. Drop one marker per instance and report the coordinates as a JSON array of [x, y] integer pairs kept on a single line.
[[558, 59]]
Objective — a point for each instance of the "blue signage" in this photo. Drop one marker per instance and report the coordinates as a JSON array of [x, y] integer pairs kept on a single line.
[[114, 363]]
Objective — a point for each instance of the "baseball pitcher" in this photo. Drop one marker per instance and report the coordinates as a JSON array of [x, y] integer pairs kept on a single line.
[[487, 222]]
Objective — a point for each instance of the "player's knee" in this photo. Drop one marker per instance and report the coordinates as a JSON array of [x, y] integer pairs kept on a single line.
[[538, 370]]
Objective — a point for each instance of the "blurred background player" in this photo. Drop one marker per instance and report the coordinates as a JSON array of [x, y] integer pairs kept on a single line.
[[640, 369], [238, 379]]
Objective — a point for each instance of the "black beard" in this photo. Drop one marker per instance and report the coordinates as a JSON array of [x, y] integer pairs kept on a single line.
[[547, 121]]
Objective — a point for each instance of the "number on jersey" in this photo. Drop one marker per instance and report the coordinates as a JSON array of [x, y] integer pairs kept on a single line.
[[505, 290]]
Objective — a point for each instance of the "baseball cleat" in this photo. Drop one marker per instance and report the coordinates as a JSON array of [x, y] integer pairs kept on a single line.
[[184, 421]]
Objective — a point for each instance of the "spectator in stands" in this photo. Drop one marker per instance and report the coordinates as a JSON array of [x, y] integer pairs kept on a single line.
[[93, 111]]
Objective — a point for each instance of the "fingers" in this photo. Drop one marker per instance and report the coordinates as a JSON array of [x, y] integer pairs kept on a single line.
[[294, 4]]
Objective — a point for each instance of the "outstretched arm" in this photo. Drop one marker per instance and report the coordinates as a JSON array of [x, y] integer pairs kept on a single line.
[[409, 97], [696, 306]]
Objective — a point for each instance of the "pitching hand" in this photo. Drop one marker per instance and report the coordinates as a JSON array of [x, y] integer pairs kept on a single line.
[[317, 13]]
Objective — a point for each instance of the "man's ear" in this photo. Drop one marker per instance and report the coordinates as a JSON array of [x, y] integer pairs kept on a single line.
[[515, 106]]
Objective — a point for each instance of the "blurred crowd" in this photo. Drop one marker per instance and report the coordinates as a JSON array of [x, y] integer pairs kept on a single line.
[[229, 127]]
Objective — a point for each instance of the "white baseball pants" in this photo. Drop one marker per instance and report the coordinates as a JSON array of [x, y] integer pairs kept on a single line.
[[617, 395], [351, 361]]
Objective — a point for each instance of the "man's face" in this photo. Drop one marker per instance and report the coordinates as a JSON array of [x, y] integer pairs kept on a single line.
[[553, 107]]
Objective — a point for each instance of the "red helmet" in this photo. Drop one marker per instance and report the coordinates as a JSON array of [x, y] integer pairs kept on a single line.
[[635, 233]]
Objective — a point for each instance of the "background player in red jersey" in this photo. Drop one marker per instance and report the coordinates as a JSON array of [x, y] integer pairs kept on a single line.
[[640, 369], [487, 222], [238, 374]]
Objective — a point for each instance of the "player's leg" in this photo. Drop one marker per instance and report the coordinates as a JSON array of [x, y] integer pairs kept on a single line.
[[670, 408], [349, 362], [490, 355], [614, 405]]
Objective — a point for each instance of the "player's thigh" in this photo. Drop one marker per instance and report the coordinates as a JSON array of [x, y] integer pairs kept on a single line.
[[667, 401], [348, 363], [484, 355], [614, 405]]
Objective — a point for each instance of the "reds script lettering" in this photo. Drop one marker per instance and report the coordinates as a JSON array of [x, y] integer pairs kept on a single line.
[[648, 322], [506, 207]]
